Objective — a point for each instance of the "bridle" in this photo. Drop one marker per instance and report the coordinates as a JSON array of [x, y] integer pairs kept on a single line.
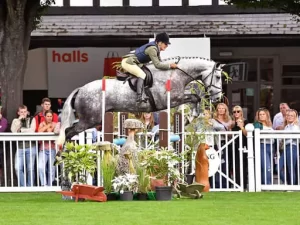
[[210, 74]]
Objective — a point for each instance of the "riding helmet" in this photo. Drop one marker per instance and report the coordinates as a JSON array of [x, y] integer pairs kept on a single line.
[[163, 37]]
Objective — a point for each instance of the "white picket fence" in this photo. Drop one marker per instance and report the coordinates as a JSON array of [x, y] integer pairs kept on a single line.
[[262, 152]]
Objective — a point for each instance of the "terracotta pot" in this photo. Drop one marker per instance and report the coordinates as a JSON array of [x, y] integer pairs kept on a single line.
[[157, 183]]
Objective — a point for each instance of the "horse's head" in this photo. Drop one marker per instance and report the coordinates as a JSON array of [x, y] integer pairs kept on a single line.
[[212, 79]]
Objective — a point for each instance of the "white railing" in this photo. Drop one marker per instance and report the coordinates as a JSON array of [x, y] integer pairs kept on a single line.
[[277, 160], [283, 175]]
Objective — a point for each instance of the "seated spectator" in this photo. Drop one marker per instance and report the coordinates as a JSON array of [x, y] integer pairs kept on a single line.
[[47, 151], [26, 150]]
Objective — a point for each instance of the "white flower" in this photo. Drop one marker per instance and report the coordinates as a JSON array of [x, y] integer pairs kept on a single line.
[[122, 192]]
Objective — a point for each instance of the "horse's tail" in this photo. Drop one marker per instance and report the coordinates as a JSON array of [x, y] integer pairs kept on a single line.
[[67, 118]]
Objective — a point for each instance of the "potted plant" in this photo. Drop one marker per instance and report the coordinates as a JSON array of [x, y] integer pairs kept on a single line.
[[161, 165], [143, 183], [108, 168], [78, 161], [126, 185], [108, 173]]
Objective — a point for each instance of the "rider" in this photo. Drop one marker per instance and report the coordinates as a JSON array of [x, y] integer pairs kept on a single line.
[[132, 63]]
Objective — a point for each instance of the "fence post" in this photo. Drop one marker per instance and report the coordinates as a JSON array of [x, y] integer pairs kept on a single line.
[[89, 141], [250, 128]]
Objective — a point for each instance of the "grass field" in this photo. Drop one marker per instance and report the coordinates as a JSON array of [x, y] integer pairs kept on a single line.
[[214, 208]]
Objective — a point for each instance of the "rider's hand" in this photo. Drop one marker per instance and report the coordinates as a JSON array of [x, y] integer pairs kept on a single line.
[[173, 65]]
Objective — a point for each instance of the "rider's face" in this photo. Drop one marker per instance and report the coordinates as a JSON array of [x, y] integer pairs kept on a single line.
[[162, 46]]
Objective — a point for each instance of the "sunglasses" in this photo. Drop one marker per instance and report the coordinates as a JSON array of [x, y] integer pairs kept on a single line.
[[238, 111]]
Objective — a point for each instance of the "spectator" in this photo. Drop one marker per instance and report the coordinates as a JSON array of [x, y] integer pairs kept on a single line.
[[239, 124], [222, 122], [278, 121], [40, 117], [26, 150], [3, 123], [47, 151], [263, 122], [288, 157]]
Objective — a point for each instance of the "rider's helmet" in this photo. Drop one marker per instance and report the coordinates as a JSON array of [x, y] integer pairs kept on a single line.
[[163, 37]]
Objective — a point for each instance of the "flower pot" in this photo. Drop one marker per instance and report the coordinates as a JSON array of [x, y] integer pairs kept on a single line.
[[156, 183], [163, 193], [126, 196], [189, 178], [142, 196], [111, 196]]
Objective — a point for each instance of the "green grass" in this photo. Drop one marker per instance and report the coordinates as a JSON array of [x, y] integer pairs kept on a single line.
[[215, 208]]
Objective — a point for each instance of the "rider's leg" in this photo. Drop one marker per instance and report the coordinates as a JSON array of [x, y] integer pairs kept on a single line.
[[137, 71]]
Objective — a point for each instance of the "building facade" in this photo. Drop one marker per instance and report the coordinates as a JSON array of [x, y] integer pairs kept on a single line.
[[264, 43]]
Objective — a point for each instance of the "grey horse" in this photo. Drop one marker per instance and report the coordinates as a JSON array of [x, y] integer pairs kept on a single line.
[[120, 98]]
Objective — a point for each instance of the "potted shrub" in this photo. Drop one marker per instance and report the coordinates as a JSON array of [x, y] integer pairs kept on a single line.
[[126, 185], [78, 161], [161, 165], [143, 183], [108, 173], [108, 168]]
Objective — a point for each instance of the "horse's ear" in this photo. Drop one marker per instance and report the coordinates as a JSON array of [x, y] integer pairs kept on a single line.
[[219, 65]]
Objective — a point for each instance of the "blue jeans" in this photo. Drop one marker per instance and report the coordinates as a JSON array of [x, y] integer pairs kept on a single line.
[[44, 157], [265, 159], [290, 159], [29, 155]]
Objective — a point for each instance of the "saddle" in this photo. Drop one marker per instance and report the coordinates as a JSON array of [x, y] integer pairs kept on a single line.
[[132, 81]]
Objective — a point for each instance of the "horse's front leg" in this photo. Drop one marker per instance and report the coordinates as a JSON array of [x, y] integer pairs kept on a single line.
[[193, 99]]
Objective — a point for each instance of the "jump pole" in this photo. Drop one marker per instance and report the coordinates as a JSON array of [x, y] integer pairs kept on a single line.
[[168, 89]]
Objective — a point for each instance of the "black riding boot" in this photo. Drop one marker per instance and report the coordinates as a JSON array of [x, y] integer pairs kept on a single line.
[[140, 91]]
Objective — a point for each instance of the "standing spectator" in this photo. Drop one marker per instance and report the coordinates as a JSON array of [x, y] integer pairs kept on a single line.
[[47, 151], [222, 122], [288, 157], [278, 121], [3, 127], [40, 117], [26, 150], [239, 124], [263, 122], [3, 123]]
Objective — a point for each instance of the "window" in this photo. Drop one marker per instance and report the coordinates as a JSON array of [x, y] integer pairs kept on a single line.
[[291, 75], [290, 96], [266, 70]]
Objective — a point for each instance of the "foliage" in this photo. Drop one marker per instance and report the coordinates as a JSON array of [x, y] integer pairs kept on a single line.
[[108, 173], [78, 161], [161, 164], [127, 182], [289, 6], [143, 179]]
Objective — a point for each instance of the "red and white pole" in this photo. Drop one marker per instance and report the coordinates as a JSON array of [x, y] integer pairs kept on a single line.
[[168, 89], [103, 106]]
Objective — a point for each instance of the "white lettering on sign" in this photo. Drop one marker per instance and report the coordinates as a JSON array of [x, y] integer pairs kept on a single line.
[[213, 160]]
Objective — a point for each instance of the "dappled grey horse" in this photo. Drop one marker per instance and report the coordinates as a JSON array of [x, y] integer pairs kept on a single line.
[[121, 98]]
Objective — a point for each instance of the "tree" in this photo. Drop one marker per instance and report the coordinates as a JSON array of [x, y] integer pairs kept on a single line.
[[18, 18], [289, 6]]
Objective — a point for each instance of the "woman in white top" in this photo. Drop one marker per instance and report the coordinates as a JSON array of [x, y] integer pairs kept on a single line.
[[263, 121], [222, 122], [288, 157]]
